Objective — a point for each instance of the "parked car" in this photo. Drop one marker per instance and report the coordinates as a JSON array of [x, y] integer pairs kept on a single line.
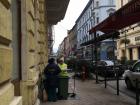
[[106, 68], [131, 75]]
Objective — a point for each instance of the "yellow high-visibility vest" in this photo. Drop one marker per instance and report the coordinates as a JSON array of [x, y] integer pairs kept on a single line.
[[63, 68]]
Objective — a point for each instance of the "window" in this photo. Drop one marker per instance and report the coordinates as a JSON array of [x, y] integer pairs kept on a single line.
[[130, 54], [89, 26], [111, 2], [110, 52], [97, 4], [137, 67], [97, 20], [89, 12], [138, 52], [121, 3], [101, 63]]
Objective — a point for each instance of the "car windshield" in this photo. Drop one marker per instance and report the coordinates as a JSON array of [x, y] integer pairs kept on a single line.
[[104, 63], [109, 63], [137, 67]]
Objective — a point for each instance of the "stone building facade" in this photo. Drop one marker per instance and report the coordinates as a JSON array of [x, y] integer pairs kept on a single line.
[[72, 42], [7, 96], [131, 49], [60, 52], [66, 47], [33, 48], [93, 14], [24, 47]]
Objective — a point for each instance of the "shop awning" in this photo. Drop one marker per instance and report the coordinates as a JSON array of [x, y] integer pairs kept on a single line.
[[101, 38], [125, 16]]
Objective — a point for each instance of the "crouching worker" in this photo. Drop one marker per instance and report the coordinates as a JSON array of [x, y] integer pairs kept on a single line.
[[51, 79]]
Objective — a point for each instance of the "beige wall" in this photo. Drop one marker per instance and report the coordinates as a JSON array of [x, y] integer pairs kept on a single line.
[[130, 34], [118, 3], [6, 55], [5, 41], [34, 48]]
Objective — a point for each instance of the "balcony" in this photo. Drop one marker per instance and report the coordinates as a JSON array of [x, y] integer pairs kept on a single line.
[[56, 10]]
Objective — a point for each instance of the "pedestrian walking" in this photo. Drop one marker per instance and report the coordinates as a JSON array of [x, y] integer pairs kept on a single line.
[[51, 79]]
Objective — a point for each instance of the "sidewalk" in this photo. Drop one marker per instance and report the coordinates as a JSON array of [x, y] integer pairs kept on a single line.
[[90, 93]]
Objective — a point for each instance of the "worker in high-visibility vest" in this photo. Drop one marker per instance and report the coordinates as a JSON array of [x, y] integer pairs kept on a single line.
[[63, 80], [63, 68]]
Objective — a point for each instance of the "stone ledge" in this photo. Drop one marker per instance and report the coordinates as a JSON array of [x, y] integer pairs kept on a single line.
[[16, 101], [6, 94], [32, 82], [32, 73], [4, 40], [37, 102], [5, 64], [6, 3]]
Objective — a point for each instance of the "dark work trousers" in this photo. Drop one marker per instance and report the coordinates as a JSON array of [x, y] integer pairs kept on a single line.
[[51, 91], [50, 85]]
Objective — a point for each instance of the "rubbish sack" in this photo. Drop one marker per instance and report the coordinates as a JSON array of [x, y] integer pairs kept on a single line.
[[42, 95], [45, 96]]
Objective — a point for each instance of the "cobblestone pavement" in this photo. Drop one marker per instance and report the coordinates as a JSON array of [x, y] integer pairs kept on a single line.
[[90, 93]]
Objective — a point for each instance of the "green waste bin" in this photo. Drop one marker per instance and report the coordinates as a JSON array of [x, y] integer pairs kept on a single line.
[[63, 87]]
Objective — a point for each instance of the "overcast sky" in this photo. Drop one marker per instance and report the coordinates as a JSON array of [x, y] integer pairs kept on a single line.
[[73, 11]]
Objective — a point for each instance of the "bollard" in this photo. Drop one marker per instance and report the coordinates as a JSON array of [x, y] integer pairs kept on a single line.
[[137, 92], [105, 78], [117, 74], [83, 73], [96, 71]]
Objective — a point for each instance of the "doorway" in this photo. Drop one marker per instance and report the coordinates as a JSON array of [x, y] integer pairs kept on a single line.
[[130, 54], [138, 52]]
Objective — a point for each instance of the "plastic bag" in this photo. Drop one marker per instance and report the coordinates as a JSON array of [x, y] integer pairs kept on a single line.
[[45, 96]]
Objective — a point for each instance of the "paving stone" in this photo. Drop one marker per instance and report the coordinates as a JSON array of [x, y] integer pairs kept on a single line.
[[90, 93]]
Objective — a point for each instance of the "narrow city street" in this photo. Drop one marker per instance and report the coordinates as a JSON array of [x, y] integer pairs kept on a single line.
[[42, 42], [90, 93]]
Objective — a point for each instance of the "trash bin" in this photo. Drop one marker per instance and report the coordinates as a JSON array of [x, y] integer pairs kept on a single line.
[[63, 87]]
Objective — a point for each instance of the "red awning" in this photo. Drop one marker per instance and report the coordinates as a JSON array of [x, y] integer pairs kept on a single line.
[[125, 16]]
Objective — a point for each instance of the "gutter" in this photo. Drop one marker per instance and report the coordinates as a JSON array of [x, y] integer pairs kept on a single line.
[[19, 39]]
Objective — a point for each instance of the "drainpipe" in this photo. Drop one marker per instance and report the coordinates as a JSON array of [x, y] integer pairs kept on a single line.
[[19, 38]]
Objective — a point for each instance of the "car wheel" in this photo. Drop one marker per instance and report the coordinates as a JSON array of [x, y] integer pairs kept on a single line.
[[128, 83]]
